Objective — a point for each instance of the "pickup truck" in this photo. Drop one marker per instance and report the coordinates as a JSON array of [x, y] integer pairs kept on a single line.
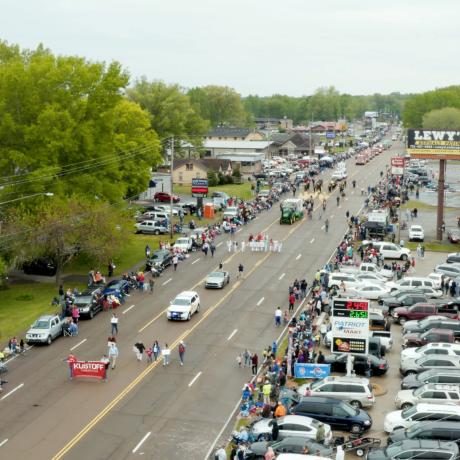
[[368, 267], [422, 310], [45, 329]]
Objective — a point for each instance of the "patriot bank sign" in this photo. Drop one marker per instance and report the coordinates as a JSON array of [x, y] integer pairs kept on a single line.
[[437, 145]]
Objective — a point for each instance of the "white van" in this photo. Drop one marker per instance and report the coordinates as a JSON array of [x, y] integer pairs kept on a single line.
[[391, 251]]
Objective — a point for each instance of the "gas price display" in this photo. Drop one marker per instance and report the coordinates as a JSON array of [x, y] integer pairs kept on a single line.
[[345, 308]]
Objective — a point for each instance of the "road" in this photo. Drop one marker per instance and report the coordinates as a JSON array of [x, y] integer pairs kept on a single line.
[[173, 412]]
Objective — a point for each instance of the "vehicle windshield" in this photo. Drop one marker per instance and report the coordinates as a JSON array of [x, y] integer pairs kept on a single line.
[[83, 299], [216, 275], [393, 450], [350, 410], [419, 391], [408, 412], [182, 241], [181, 301], [41, 324]]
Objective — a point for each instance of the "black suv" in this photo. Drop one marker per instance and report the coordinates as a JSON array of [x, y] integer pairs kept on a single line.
[[89, 302], [161, 258], [42, 266], [406, 300], [439, 430], [336, 413]]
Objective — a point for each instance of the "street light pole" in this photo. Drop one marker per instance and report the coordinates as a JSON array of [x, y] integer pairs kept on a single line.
[[171, 191]]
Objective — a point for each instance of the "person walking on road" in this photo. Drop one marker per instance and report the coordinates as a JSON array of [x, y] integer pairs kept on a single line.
[[255, 363], [240, 271], [166, 352], [174, 261], [338, 200], [212, 248], [114, 324], [278, 315], [247, 357], [113, 355], [139, 349], [156, 350], [147, 251], [326, 225], [291, 302], [181, 352]]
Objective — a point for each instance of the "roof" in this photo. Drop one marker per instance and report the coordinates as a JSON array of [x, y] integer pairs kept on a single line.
[[214, 164], [228, 131], [187, 294], [242, 156], [242, 145]]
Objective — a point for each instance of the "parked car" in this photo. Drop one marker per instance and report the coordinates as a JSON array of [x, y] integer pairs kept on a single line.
[[165, 197], [430, 322], [294, 445], [334, 412], [371, 291], [452, 270], [447, 375], [417, 449], [217, 280], [42, 266], [436, 393], [151, 227], [429, 336], [404, 418], [116, 287], [438, 430], [89, 302], [424, 363], [385, 338], [361, 363], [409, 283], [438, 349], [453, 235], [378, 321], [418, 312], [436, 277], [356, 391], [184, 306], [350, 281], [184, 243], [290, 425], [391, 250], [159, 259], [45, 329], [416, 233], [405, 300], [453, 257]]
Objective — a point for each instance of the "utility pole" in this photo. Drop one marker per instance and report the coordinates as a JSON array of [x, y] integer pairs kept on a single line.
[[171, 232]]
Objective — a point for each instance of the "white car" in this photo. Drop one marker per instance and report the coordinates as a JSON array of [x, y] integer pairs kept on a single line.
[[184, 306], [167, 209], [410, 283], [370, 291], [416, 233], [374, 278], [184, 244], [431, 393], [450, 270], [436, 277], [445, 349], [391, 250]]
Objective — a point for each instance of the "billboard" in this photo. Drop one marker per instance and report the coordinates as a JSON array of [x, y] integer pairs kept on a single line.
[[350, 326], [199, 187], [433, 144], [397, 166]]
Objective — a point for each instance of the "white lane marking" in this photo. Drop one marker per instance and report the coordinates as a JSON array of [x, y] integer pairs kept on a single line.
[[197, 376], [323, 227], [197, 260], [281, 277], [346, 199], [166, 282], [339, 206], [352, 192], [219, 244], [312, 240], [298, 257], [332, 216], [3, 442], [260, 301], [232, 334], [239, 230], [141, 442], [78, 344], [11, 392], [129, 308]]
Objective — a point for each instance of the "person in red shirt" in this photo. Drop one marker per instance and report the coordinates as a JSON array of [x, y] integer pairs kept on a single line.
[[291, 302]]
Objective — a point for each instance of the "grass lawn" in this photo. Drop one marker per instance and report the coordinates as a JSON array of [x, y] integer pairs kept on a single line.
[[421, 206], [22, 304], [435, 246], [242, 191]]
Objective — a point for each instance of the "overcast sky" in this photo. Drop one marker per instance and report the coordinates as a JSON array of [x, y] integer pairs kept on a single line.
[[255, 46]]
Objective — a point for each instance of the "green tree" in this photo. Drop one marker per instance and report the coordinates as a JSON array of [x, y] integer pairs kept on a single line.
[[66, 127], [447, 118], [220, 105], [61, 228], [171, 111], [213, 180]]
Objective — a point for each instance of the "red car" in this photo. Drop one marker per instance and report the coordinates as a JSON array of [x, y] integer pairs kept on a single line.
[[165, 197], [453, 235]]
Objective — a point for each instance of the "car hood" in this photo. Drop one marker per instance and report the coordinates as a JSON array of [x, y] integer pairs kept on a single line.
[[259, 448], [414, 328], [404, 395], [409, 354], [394, 417], [401, 310], [377, 454], [214, 279], [411, 380], [412, 337], [398, 435], [32, 330], [390, 300], [179, 308], [262, 426]]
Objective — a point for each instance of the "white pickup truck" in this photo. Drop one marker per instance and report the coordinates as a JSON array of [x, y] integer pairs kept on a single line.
[[45, 329], [367, 267]]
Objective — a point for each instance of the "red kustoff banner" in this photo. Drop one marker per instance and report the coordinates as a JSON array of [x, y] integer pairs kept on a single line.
[[94, 369]]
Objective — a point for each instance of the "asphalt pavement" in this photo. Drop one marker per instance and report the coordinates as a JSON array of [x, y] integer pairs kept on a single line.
[[174, 412]]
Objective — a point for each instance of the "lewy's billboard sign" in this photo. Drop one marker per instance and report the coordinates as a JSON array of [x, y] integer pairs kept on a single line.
[[434, 144]]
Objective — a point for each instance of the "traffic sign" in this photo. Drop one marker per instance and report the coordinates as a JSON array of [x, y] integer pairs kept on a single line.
[[350, 326]]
